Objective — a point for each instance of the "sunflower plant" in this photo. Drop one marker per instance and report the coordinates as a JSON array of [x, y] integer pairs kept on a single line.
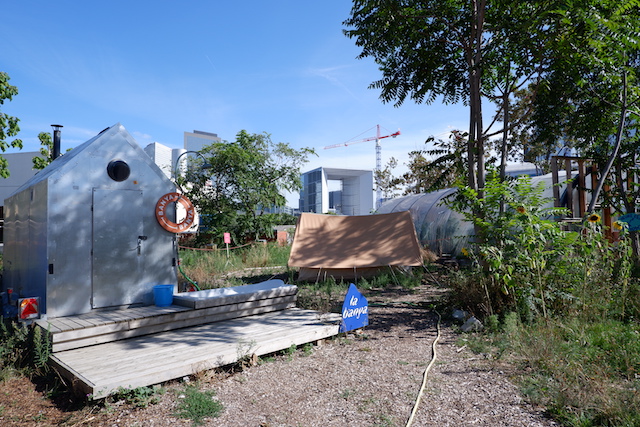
[[528, 262]]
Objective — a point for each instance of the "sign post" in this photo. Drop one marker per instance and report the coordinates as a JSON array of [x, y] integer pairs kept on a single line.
[[227, 240], [355, 310]]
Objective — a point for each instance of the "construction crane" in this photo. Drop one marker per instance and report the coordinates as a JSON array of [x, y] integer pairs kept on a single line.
[[377, 139]]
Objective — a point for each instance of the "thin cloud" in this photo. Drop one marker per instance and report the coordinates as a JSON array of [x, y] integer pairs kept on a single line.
[[334, 76]]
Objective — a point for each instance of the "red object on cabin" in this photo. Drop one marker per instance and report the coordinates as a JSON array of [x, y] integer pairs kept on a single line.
[[29, 308]]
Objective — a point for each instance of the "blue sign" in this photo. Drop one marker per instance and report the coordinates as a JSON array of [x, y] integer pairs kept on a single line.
[[632, 219], [355, 310]]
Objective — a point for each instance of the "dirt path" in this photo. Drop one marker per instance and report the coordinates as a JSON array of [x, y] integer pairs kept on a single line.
[[370, 379]]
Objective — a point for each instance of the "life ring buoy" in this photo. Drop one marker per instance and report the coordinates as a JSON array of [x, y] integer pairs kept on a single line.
[[161, 213]]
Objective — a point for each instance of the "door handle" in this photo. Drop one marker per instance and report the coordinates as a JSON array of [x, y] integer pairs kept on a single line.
[[140, 240]]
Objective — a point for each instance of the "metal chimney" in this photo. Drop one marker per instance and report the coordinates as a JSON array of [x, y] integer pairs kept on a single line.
[[56, 141]]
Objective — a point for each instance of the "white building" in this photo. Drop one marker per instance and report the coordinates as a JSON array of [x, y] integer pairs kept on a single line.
[[355, 196], [197, 140], [20, 168]]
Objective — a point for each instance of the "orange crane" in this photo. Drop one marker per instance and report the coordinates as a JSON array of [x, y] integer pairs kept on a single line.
[[376, 138]]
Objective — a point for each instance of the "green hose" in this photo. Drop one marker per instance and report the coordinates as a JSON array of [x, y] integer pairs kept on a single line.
[[195, 284]]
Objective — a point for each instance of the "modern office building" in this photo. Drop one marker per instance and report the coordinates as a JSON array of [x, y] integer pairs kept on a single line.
[[197, 140], [355, 196], [166, 157], [163, 156]]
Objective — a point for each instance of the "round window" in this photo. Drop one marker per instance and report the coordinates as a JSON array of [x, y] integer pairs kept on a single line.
[[118, 170]]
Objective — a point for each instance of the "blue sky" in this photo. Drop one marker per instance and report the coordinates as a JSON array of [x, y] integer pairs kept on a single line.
[[162, 68]]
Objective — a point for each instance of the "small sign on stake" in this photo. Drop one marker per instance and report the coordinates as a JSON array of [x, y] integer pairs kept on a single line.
[[227, 240], [355, 310]]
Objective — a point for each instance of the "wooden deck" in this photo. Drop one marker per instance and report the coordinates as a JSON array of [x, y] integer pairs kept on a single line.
[[103, 350], [101, 369], [99, 327]]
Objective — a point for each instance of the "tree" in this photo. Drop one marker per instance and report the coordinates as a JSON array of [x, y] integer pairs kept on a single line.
[[426, 49], [442, 166], [46, 142], [386, 181], [245, 178], [460, 51], [591, 93], [8, 124]]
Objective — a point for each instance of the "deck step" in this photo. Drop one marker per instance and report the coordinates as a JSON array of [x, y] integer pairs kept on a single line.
[[189, 309], [101, 369]]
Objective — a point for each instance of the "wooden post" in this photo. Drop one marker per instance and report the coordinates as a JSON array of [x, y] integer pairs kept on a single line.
[[569, 177], [555, 179], [582, 202]]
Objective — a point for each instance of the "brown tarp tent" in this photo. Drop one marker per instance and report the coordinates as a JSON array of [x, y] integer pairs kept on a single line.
[[350, 247]]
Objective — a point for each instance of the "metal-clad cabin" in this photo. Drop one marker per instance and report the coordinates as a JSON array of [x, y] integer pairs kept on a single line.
[[82, 233]]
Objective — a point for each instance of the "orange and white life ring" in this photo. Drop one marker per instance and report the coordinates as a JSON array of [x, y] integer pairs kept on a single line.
[[161, 213]]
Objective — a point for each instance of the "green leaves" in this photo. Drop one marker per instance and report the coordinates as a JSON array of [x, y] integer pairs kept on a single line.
[[246, 178], [528, 263], [8, 124], [46, 142]]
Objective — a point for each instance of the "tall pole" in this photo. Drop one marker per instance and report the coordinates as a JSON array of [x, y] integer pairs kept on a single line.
[[378, 168]]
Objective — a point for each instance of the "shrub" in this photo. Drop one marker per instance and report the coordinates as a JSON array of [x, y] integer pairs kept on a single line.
[[525, 262], [23, 348]]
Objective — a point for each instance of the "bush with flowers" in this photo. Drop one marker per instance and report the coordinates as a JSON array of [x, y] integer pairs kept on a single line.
[[526, 261]]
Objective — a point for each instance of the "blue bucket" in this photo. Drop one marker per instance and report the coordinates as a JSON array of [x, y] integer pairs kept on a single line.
[[163, 295]]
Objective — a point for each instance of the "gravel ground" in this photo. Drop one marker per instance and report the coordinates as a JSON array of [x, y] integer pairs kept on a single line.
[[366, 379]]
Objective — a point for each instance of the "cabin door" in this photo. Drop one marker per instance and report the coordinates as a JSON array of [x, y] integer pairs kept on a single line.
[[117, 247]]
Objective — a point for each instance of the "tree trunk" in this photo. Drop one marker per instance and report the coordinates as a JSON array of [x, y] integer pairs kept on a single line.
[[616, 148], [480, 9]]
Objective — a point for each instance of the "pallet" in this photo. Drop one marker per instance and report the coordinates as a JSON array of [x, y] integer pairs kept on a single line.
[[101, 369]]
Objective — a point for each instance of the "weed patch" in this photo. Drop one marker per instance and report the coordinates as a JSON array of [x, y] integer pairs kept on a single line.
[[584, 372], [210, 268], [139, 397], [196, 405]]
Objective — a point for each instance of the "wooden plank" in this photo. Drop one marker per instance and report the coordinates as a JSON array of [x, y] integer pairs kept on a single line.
[[92, 318], [101, 317], [79, 384], [180, 318], [223, 332], [104, 317], [156, 358], [170, 348], [555, 180], [82, 323], [582, 197], [66, 324], [569, 192], [173, 365], [166, 349], [162, 346], [121, 315], [96, 330], [102, 323], [48, 326], [123, 331]]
